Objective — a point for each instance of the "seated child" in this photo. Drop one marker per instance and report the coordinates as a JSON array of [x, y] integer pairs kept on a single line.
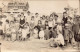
[[47, 32], [58, 41], [8, 34], [13, 33], [27, 29], [35, 35], [41, 34]]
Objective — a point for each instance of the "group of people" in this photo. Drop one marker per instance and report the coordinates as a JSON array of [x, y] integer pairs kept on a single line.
[[27, 26]]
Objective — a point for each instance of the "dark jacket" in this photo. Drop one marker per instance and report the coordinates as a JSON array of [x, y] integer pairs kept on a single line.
[[65, 20]]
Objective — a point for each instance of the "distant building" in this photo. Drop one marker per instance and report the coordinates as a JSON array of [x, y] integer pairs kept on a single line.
[[16, 5]]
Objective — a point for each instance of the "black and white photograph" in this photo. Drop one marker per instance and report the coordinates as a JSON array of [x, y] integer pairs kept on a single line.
[[39, 25]]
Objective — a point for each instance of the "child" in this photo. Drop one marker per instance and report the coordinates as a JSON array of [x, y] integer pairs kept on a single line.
[[37, 17], [66, 34], [47, 33], [50, 23], [35, 32], [19, 34], [8, 34], [41, 34], [13, 33], [32, 22], [24, 34], [7, 30], [43, 21], [39, 25], [27, 29], [17, 25], [46, 23], [32, 25], [59, 27], [28, 17]]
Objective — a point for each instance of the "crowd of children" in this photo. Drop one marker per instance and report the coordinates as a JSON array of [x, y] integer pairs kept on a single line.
[[27, 26]]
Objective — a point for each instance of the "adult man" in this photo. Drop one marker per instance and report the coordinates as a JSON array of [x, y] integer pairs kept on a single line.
[[65, 18], [36, 18], [27, 17]]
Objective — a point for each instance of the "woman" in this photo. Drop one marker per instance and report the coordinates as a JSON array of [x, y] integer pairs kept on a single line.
[[39, 25], [47, 33], [22, 21], [50, 23], [59, 40], [32, 25]]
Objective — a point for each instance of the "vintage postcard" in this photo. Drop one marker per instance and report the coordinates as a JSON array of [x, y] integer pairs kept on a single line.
[[39, 25]]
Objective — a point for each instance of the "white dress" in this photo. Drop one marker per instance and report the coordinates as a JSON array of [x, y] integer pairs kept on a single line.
[[41, 34], [50, 23], [35, 33], [13, 34]]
